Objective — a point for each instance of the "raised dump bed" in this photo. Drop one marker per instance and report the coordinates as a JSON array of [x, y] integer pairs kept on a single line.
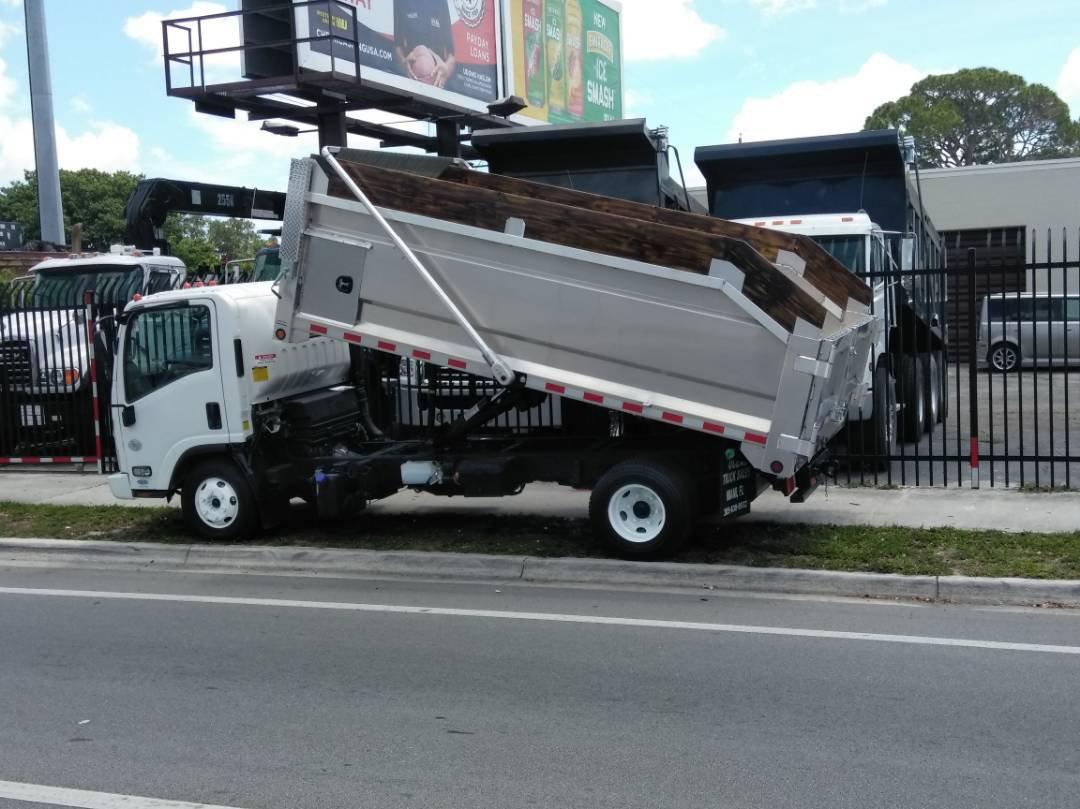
[[654, 314]]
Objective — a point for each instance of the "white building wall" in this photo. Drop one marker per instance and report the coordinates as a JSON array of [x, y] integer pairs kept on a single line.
[[1042, 196]]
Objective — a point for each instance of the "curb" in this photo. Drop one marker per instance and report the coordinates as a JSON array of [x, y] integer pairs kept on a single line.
[[508, 569]]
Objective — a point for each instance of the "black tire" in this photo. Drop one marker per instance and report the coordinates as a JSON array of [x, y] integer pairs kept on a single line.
[[658, 514], [1004, 358], [931, 390], [909, 385], [874, 440], [217, 501], [942, 376]]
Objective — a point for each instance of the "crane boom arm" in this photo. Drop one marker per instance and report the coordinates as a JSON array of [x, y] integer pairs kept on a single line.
[[153, 200]]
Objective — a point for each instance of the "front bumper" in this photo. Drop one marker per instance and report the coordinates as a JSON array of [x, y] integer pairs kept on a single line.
[[120, 485]]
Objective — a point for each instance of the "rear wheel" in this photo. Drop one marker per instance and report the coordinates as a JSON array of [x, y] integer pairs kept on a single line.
[[910, 391], [643, 509], [217, 502]]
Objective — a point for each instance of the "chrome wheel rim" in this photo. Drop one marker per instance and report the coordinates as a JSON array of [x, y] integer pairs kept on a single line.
[[216, 503], [1004, 358], [637, 514]]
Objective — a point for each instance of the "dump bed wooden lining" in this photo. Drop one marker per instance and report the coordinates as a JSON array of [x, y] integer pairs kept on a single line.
[[583, 228], [823, 271]]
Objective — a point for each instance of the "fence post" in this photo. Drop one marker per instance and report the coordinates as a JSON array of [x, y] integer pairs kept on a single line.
[[973, 370]]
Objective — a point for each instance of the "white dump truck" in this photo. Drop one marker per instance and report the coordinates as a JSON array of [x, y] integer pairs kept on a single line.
[[691, 373]]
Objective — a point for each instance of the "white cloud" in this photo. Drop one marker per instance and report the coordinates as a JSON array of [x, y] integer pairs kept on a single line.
[[7, 86], [1068, 86], [670, 30], [7, 31], [773, 8], [105, 145], [824, 108], [636, 103], [224, 33], [81, 105], [859, 6], [778, 8], [102, 145]]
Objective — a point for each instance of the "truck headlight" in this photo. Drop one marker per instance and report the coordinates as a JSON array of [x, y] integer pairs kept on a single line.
[[59, 377]]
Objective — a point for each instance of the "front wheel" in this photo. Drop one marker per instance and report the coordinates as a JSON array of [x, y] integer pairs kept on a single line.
[[643, 509], [931, 390], [217, 501]]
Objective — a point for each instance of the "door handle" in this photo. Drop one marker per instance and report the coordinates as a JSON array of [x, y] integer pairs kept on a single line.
[[213, 415]]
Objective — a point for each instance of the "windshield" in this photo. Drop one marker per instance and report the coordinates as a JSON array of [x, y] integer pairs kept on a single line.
[[68, 287], [848, 250], [268, 265]]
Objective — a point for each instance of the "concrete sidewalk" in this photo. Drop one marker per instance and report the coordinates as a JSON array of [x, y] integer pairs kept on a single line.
[[992, 509]]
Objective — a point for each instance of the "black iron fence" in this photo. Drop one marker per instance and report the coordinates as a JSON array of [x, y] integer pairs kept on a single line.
[[53, 380], [997, 401], [977, 381]]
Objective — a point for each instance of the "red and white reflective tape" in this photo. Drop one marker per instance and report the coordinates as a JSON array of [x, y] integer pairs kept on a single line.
[[91, 328], [58, 459], [551, 386]]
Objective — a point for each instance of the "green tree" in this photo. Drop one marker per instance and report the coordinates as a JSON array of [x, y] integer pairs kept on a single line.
[[186, 235], [94, 198], [234, 238], [204, 243], [981, 116]]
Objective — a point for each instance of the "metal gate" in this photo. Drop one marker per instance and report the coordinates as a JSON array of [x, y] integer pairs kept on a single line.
[[1009, 379], [53, 394]]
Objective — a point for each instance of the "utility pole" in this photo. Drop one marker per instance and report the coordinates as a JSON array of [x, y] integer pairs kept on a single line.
[[50, 206]]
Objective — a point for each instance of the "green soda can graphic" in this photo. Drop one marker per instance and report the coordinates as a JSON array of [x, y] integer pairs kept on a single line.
[[554, 23], [535, 56]]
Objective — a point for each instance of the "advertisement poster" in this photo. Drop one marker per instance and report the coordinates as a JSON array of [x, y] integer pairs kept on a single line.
[[446, 50], [567, 59]]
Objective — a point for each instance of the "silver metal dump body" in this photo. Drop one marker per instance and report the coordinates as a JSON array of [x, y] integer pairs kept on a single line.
[[637, 338]]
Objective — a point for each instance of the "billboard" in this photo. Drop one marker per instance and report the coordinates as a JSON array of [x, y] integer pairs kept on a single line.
[[565, 59], [448, 51]]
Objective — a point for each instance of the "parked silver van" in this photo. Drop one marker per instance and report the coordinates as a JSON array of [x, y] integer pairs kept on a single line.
[[1024, 329]]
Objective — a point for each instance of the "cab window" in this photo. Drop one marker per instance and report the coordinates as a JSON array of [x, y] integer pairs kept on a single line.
[[160, 281], [164, 345]]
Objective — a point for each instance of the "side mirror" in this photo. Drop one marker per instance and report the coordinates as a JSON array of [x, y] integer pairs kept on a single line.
[[127, 416], [907, 252]]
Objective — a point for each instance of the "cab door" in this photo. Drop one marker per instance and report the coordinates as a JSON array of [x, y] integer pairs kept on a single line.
[[167, 390]]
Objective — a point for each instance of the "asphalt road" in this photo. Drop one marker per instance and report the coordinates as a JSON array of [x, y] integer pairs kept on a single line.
[[288, 695]]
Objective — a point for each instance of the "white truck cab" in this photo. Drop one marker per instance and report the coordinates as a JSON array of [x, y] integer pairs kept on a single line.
[[858, 243], [195, 362], [47, 339]]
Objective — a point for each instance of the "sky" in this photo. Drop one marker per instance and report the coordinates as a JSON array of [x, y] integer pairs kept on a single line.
[[711, 70]]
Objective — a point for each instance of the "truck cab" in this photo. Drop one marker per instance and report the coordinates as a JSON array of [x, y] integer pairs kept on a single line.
[[45, 349], [213, 349], [47, 338]]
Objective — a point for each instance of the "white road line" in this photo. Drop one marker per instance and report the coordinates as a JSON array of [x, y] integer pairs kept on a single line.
[[740, 629], [58, 796]]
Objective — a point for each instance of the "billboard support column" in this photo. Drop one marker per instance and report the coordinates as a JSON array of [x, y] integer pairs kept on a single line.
[[332, 130], [448, 138], [41, 107]]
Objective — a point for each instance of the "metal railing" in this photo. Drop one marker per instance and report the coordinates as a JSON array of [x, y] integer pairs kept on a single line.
[[192, 32]]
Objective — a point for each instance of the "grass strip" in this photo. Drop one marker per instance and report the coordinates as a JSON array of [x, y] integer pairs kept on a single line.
[[910, 551]]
